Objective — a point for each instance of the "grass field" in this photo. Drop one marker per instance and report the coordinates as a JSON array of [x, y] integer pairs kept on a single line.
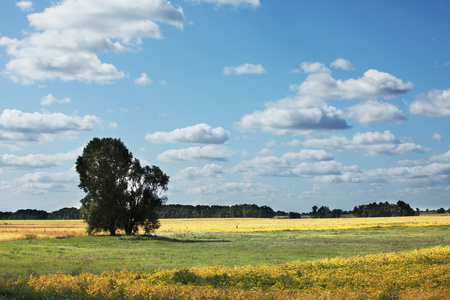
[[247, 258]]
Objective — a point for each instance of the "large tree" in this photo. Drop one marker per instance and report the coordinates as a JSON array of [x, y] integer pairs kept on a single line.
[[120, 193]]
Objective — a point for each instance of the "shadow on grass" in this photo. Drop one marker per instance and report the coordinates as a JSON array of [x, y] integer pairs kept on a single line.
[[168, 239]]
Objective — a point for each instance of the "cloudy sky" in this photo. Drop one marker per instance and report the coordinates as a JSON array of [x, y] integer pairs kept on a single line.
[[289, 103]]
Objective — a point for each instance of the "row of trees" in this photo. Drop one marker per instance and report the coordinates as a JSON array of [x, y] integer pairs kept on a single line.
[[385, 209], [325, 212], [170, 211], [215, 211], [65, 213]]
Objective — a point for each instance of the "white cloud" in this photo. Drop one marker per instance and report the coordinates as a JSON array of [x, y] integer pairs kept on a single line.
[[197, 134], [294, 117], [143, 80], [436, 136], [309, 154], [237, 3], [373, 84], [233, 187], [50, 99], [341, 63], [69, 35], [244, 69], [17, 126], [25, 5], [208, 171], [369, 143], [281, 166], [211, 153], [434, 104], [372, 111], [37, 160], [41, 183]]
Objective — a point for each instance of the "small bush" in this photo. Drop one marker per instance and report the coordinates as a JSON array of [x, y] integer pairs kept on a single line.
[[30, 236], [218, 280], [185, 276]]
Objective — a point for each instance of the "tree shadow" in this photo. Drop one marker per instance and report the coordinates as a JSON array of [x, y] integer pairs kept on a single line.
[[171, 240]]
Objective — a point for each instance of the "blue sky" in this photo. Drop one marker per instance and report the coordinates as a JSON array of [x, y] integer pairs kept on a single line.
[[288, 104]]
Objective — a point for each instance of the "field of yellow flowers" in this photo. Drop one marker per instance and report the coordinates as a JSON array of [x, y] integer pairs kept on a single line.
[[417, 274]]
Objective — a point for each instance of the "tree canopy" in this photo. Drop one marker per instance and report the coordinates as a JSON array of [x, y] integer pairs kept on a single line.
[[120, 193], [384, 209]]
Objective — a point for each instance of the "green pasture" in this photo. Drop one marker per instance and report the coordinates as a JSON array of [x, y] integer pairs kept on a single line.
[[97, 254]]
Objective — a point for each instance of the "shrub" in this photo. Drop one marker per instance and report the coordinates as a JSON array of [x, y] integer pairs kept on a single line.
[[185, 276]]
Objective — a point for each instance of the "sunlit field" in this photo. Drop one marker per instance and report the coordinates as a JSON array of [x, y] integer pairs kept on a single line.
[[347, 258], [11, 230], [37, 229], [264, 225], [417, 274]]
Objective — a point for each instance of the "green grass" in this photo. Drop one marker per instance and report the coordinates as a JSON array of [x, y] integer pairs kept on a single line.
[[97, 254]]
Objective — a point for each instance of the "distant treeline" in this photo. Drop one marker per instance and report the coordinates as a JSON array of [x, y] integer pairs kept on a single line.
[[181, 211], [175, 211], [385, 209], [65, 213]]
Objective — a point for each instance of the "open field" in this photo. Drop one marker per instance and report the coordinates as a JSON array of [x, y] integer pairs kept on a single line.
[[36, 229], [350, 258]]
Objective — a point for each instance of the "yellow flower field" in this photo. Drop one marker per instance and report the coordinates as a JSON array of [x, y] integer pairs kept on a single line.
[[417, 274], [255, 225], [14, 229]]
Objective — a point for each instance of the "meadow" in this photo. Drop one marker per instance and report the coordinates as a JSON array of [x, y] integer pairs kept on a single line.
[[351, 258]]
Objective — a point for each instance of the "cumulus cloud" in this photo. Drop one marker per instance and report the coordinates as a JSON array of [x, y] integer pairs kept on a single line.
[[11, 161], [233, 187], [68, 36], [25, 5], [197, 134], [372, 84], [436, 136], [372, 111], [369, 143], [307, 110], [143, 80], [17, 126], [281, 166], [309, 154], [236, 3], [244, 69], [208, 171], [341, 63], [50, 99], [294, 117], [40, 183], [208, 153], [434, 104]]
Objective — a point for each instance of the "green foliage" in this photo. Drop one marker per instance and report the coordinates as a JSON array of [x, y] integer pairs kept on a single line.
[[185, 276], [218, 280], [215, 211], [294, 215], [325, 212], [30, 236], [66, 213], [34, 214], [384, 209], [120, 193]]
